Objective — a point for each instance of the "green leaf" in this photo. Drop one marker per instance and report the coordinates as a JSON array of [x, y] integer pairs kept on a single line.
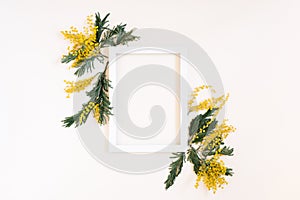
[[102, 25], [85, 66], [69, 121], [175, 168], [209, 112], [199, 136], [194, 125], [68, 58], [94, 93], [229, 172], [226, 151], [99, 95], [117, 36], [75, 119], [194, 159], [199, 122]]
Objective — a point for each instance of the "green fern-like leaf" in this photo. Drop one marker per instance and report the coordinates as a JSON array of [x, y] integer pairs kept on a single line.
[[194, 159], [175, 168]]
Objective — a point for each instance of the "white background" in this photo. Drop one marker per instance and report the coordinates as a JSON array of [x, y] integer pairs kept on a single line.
[[255, 45]]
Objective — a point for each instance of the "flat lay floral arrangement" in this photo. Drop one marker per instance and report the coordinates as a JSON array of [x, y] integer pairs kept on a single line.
[[206, 144]]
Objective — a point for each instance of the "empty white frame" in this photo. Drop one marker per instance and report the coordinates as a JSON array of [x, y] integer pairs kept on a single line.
[[173, 135]]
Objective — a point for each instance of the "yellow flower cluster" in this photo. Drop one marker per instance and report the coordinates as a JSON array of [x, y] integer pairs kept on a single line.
[[208, 102], [195, 93], [87, 109], [217, 136], [96, 112], [222, 103], [83, 43], [212, 173], [77, 86]]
